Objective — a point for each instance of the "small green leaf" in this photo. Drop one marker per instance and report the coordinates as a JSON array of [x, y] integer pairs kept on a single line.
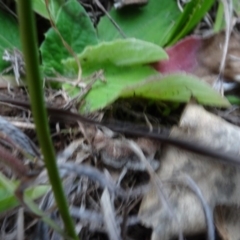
[[9, 36], [219, 23], [7, 197], [236, 6], [117, 79], [122, 52], [76, 29], [233, 99], [39, 6], [193, 12], [178, 88], [8, 200], [152, 22]]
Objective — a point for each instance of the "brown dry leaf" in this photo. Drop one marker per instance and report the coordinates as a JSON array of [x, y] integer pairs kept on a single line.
[[210, 55], [218, 182]]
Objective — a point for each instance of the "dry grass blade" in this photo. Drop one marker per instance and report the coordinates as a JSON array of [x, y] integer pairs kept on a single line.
[[93, 219], [109, 216], [190, 183], [15, 58], [20, 224], [69, 150], [94, 175], [5, 233], [156, 182], [14, 163], [18, 139], [228, 10]]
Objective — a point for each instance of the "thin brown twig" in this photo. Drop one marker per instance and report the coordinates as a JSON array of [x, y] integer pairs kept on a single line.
[[67, 116]]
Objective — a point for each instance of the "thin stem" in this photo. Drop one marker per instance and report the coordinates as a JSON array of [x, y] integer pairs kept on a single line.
[[34, 81]]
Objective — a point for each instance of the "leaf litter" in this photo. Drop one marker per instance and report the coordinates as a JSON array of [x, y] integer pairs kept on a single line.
[[89, 179]]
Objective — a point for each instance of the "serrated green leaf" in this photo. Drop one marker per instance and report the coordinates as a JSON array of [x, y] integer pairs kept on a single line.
[[177, 87], [193, 12], [9, 36], [76, 29], [152, 22]]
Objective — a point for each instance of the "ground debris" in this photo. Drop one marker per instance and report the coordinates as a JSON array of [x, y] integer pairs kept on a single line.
[[215, 181]]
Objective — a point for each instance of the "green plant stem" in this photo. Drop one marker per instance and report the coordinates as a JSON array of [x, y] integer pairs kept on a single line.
[[30, 51]]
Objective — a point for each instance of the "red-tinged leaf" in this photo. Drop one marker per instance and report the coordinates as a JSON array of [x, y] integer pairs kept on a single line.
[[202, 57], [182, 56]]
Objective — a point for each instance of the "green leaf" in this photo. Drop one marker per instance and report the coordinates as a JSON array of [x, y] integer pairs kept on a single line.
[[121, 61], [219, 23], [177, 87], [8, 200], [44, 217], [152, 22], [193, 12], [39, 6], [76, 29], [125, 75], [117, 79], [122, 52], [236, 6], [233, 99], [7, 197], [131, 82], [9, 36]]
